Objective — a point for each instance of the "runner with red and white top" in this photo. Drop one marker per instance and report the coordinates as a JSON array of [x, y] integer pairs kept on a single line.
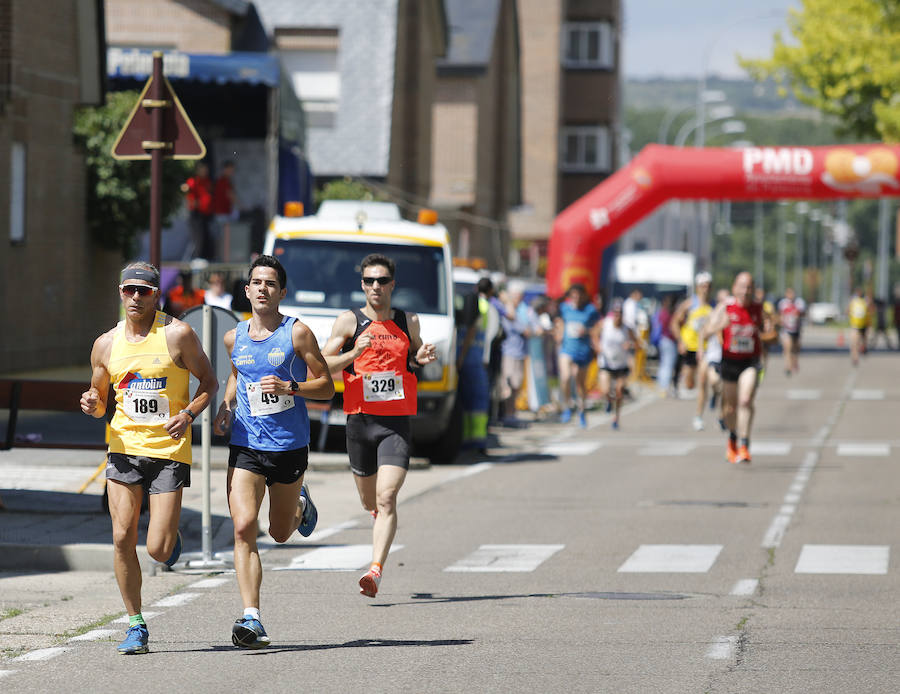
[[740, 321], [790, 313], [377, 348]]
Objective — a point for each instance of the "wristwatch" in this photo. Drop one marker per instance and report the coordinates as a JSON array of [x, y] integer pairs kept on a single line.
[[188, 413], [294, 386]]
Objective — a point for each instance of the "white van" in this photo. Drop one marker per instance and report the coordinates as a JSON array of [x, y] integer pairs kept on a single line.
[[321, 254], [655, 273]]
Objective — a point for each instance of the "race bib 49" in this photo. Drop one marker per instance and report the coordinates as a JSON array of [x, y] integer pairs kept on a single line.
[[266, 403]]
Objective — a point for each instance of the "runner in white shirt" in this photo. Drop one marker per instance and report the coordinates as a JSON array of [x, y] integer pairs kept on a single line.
[[614, 345], [709, 379], [791, 310]]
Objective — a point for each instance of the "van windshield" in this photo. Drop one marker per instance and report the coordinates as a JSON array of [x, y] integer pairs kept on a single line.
[[325, 274]]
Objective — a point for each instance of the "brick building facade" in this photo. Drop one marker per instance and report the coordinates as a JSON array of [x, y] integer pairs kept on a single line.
[[58, 291]]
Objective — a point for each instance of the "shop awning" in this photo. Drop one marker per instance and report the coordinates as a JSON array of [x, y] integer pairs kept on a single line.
[[231, 68]]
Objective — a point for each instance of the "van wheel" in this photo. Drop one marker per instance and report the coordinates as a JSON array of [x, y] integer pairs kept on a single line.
[[446, 448]]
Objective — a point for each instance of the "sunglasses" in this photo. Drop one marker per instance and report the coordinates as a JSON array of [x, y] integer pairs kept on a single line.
[[141, 289], [382, 281]]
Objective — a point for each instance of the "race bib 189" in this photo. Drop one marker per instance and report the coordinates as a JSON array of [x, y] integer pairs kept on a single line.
[[266, 403], [382, 386], [146, 407]]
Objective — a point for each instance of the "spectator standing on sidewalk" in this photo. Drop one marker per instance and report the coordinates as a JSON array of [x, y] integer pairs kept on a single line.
[[198, 192], [225, 208], [148, 358]]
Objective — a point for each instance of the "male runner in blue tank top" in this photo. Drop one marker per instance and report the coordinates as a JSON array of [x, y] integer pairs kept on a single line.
[[270, 356]]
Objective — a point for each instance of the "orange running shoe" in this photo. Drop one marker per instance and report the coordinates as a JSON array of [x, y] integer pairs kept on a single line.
[[743, 455], [731, 452], [368, 584]]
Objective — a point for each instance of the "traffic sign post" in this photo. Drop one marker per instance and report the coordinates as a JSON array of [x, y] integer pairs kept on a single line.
[[158, 127]]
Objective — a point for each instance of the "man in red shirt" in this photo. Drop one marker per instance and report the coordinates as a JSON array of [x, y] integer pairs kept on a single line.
[[741, 321], [199, 195], [376, 347], [225, 205]]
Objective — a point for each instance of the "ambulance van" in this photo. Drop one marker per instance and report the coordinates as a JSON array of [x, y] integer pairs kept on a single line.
[[321, 254]]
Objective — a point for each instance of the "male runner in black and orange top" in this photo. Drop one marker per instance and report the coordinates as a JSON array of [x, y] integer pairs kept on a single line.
[[376, 347]]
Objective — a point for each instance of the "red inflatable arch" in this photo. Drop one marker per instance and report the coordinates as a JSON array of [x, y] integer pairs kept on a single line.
[[659, 173]]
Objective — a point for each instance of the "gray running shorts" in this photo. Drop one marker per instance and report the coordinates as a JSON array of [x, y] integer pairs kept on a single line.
[[156, 475], [376, 440]]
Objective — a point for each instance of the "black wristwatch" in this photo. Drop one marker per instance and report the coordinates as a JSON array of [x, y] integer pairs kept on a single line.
[[188, 413], [294, 386]]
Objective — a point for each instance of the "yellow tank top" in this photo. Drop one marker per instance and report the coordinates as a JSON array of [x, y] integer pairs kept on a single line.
[[859, 312], [149, 389], [693, 324]]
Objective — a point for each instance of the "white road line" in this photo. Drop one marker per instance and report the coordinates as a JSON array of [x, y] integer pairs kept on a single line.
[[771, 448], [176, 600], [746, 586], [334, 558], [564, 448], [6, 673], [671, 448], [210, 583], [41, 654], [866, 394], [94, 635], [722, 648], [864, 450], [804, 394], [843, 559], [775, 534], [503, 558], [147, 615], [325, 533], [671, 559]]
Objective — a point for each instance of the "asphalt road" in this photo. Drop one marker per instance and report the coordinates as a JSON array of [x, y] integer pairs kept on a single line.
[[621, 561]]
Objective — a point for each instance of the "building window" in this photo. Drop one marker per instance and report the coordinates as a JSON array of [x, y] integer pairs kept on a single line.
[[585, 149], [588, 45], [310, 58], [17, 193]]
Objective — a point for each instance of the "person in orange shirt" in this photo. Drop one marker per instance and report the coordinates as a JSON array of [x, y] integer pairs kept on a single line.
[[183, 296], [378, 348], [198, 192]]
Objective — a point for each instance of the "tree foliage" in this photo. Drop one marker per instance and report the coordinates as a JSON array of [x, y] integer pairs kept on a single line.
[[843, 60], [118, 192], [347, 189]]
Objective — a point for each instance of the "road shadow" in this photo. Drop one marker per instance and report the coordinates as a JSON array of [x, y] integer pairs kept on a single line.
[[356, 643]]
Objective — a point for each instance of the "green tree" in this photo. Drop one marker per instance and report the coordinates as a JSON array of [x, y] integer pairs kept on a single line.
[[118, 192], [843, 61], [347, 189]]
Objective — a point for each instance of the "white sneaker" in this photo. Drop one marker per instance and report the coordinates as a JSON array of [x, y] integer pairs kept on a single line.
[[698, 423]]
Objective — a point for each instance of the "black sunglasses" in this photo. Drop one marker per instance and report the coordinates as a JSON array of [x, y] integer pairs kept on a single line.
[[382, 281], [141, 289]]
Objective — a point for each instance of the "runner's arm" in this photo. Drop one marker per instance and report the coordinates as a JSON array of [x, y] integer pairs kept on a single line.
[[718, 321], [93, 400], [422, 353], [321, 385], [229, 399], [343, 330], [194, 359]]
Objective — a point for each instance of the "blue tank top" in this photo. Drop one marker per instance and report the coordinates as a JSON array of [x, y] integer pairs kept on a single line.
[[260, 421], [578, 322]]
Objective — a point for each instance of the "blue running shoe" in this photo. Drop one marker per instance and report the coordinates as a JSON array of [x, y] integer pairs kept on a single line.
[[249, 633], [310, 514], [582, 420], [615, 424], [566, 416], [176, 550], [135, 641], [609, 406]]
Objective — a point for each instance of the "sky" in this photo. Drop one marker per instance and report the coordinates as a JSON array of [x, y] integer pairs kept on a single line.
[[669, 37]]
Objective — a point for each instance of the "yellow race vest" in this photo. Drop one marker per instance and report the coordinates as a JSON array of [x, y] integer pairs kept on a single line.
[[859, 312], [693, 324], [149, 389]]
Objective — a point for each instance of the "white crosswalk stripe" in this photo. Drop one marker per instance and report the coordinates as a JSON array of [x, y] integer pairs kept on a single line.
[[671, 559], [863, 450], [334, 558], [866, 394], [499, 558], [843, 559], [804, 394], [564, 448], [667, 448]]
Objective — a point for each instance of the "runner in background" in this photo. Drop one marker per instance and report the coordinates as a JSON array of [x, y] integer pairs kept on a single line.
[[687, 322], [791, 310], [860, 320], [614, 343]]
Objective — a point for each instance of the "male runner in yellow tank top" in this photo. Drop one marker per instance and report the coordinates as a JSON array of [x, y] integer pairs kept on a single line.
[[148, 359]]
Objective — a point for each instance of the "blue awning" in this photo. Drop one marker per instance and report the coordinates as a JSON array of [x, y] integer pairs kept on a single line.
[[247, 68]]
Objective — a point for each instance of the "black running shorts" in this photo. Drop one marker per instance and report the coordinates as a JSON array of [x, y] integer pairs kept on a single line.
[[156, 475], [282, 467], [376, 440], [733, 368], [689, 359]]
